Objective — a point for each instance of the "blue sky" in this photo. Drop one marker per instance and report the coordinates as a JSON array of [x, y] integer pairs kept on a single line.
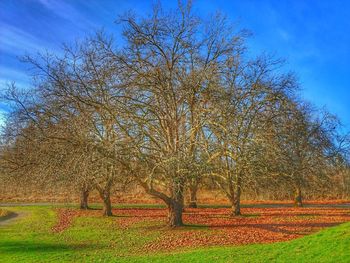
[[314, 36]]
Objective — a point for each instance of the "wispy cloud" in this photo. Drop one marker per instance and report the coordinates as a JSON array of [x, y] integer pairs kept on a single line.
[[2, 118], [8, 75], [16, 41], [4, 110], [7, 72], [66, 11]]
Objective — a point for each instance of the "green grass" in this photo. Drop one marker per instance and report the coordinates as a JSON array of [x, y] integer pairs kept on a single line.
[[30, 238], [330, 245], [95, 239]]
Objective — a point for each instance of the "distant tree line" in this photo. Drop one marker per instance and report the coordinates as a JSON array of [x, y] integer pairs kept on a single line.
[[177, 106]]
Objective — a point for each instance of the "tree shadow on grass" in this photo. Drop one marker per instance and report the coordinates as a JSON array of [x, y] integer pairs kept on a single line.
[[161, 226], [277, 227], [25, 247], [195, 226], [10, 215]]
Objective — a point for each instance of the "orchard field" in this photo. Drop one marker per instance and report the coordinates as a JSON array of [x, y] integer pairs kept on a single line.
[[172, 136]]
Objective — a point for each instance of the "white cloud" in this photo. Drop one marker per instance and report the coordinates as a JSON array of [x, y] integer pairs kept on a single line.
[[7, 72], [68, 12], [8, 75], [16, 41]]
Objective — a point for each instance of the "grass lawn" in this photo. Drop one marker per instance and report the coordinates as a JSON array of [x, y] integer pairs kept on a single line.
[[29, 238]]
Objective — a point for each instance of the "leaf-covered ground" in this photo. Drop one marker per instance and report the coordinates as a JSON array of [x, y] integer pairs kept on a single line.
[[139, 234], [3, 213], [215, 227]]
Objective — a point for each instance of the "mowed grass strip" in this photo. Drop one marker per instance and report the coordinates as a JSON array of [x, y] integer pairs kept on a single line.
[[99, 239]]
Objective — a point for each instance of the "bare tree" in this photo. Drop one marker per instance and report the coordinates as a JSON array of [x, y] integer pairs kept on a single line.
[[70, 108], [306, 147], [180, 103], [173, 60], [246, 100]]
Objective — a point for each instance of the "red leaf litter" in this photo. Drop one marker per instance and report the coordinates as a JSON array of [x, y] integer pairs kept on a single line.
[[214, 226], [65, 218], [257, 225]]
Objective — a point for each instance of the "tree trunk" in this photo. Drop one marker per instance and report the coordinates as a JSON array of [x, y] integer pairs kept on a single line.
[[107, 206], [84, 199], [298, 201], [176, 203], [193, 196], [175, 214], [236, 206]]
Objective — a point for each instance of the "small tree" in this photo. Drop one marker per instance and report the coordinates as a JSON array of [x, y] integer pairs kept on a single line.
[[248, 97], [305, 147]]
